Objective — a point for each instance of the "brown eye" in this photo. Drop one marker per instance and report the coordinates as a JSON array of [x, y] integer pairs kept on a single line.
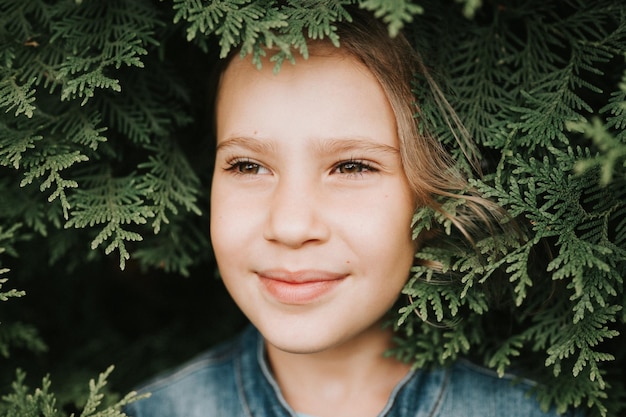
[[352, 167], [247, 168]]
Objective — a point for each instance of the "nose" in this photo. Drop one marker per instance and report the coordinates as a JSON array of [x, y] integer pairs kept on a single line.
[[295, 214]]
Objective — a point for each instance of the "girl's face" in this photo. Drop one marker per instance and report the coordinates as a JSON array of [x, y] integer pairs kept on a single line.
[[311, 209]]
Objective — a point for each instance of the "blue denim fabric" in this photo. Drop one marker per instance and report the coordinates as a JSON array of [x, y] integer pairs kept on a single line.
[[233, 380]]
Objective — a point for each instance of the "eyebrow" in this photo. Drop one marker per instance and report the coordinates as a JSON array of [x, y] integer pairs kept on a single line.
[[348, 144], [256, 145], [331, 145]]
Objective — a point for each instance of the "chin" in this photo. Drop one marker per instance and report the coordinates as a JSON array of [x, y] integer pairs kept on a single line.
[[297, 349], [302, 347], [300, 340], [297, 343]]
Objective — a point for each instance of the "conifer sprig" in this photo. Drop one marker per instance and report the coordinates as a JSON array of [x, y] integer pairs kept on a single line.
[[14, 97], [169, 183], [42, 401], [115, 203], [396, 13]]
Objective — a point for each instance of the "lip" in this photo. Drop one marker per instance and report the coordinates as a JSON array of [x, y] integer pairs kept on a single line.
[[299, 287]]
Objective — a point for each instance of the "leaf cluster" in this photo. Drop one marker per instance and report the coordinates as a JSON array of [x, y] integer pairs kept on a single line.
[[252, 27], [538, 86], [90, 110], [42, 402]]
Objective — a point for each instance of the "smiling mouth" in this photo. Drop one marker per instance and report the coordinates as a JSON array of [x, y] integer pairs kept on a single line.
[[298, 288]]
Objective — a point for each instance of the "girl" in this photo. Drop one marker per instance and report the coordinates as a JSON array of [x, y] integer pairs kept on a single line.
[[318, 172]]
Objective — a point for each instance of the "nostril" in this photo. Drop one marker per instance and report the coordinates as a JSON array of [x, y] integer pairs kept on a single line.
[[295, 218]]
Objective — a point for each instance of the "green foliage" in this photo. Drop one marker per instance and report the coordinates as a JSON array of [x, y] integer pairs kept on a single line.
[[248, 25], [395, 13], [608, 138], [542, 98], [42, 402], [104, 149], [115, 202], [80, 51], [17, 334]]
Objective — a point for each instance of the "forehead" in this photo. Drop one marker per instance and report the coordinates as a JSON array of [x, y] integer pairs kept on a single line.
[[322, 54], [323, 59], [332, 89]]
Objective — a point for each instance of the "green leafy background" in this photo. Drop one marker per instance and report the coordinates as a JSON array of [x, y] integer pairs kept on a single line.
[[105, 162]]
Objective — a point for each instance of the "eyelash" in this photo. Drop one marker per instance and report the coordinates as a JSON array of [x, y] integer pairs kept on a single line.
[[238, 166], [362, 167]]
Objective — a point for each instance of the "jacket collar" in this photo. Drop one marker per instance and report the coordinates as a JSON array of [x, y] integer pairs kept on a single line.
[[417, 395]]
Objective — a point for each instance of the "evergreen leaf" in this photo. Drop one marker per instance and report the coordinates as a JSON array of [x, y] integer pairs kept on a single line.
[[501, 358], [396, 13], [103, 37], [52, 164], [613, 151], [175, 249], [14, 143], [170, 182], [113, 203], [16, 97], [17, 334]]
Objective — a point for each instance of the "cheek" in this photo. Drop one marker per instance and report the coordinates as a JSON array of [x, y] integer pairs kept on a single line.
[[228, 223], [384, 236], [401, 245], [228, 239]]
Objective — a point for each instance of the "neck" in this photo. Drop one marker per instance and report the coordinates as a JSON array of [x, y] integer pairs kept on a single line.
[[353, 378]]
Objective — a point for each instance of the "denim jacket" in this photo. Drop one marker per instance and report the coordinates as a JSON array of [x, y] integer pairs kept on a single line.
[[233, 380]]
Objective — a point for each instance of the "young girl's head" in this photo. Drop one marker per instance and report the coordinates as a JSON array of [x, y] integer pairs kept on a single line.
[[318, 172]]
